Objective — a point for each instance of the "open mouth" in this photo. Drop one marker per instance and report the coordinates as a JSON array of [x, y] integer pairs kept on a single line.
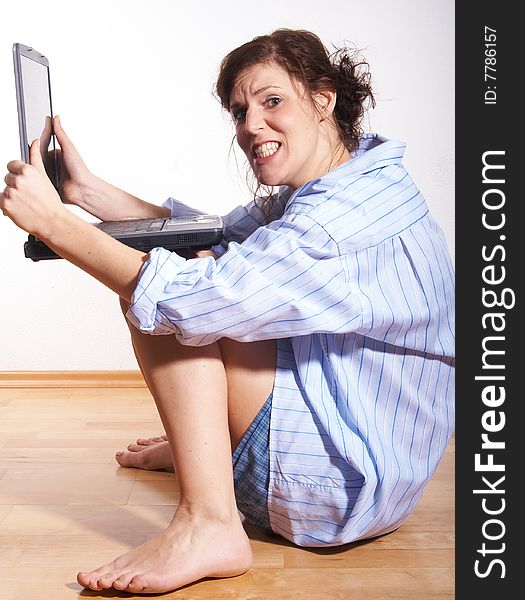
[[267, 149]]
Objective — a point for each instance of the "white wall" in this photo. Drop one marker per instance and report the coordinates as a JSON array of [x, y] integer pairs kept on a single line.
[[132, 82]]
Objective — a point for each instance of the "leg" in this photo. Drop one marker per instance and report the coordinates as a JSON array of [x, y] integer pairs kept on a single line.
[[205, 538], [250, 373]]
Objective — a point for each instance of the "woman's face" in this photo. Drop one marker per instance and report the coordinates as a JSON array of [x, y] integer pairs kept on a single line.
[[278, 128]]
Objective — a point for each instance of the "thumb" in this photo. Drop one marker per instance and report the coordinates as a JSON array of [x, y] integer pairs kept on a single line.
[[35, 157], [61, 135], [70, 154]]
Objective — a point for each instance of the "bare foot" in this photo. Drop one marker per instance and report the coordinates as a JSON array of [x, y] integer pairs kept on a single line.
[[188, 550], [147, 453]]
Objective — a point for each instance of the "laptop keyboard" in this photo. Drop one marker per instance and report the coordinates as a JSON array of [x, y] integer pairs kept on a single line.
[[116, 228], [132, 226]]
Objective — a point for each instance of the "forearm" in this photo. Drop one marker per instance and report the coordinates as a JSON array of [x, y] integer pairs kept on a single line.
[[110, 203], [112, 263]]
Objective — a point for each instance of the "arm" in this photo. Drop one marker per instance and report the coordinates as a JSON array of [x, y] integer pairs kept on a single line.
[[109, 203], [114, 264], [32, 203], [101, 199], [287, 279]]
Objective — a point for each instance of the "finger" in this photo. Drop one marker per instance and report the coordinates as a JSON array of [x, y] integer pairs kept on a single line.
[[62, 137], [7, 193], [10, 179], [64, 142], [3, 197], [16, 166], [35, 157]]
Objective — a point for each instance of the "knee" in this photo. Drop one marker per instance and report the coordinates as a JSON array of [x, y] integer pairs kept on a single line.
[[124, 306]]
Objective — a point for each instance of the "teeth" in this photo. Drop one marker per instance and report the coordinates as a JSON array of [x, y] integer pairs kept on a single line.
[[265, 150]]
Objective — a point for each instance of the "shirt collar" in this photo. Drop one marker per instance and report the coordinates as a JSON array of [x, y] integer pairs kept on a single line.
[[374, 152]]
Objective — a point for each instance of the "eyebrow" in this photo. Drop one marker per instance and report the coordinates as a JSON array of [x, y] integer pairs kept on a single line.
[[235, 105]]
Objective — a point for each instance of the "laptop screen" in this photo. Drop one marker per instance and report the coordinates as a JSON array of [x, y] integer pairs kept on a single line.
[[37, 104], [35, 109]]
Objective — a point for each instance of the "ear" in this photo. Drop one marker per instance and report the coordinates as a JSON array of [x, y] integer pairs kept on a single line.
[[325, 101]]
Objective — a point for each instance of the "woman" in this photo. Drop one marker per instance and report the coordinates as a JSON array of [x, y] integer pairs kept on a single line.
[[316, 342]]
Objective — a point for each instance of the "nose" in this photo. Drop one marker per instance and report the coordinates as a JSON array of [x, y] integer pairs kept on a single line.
[[254, 120]]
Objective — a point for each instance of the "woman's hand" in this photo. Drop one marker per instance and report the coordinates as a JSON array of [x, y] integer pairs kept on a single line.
[[204, 253], [76, 180], [30, 199], [99, 198]]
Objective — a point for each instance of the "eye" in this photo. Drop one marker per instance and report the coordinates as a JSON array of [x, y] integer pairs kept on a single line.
[[274, 101], [239, 114]]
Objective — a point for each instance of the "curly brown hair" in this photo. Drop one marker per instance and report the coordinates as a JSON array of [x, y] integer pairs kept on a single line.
[[305, 58]]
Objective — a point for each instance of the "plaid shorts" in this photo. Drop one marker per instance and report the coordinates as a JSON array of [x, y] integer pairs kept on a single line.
[[251, 470]]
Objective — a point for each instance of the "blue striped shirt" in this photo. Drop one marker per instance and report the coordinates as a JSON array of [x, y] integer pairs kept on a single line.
[[352, 276]]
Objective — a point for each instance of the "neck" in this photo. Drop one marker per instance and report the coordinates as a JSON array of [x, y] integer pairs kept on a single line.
[[339, 156]]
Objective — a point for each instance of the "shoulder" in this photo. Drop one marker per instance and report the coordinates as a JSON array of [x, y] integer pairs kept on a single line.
[[365, 200]]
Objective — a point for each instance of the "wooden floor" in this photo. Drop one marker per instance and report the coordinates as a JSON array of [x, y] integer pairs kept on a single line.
[[65, 506]]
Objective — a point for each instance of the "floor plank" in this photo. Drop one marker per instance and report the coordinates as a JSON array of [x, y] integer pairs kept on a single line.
[[65, 505]]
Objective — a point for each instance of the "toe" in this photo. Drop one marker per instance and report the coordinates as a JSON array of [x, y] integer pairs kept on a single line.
[[88, 580], [145, 441], [124, 458], [122, 582], [106, 581], [138, 584], [83, 579], [136, 447]]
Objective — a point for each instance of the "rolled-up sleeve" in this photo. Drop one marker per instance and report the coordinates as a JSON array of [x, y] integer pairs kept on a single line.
[[179, 209], [160, 268], [284, 280], [240, 222]]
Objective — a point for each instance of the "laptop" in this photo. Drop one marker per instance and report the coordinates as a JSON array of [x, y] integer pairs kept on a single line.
[[35, 120]]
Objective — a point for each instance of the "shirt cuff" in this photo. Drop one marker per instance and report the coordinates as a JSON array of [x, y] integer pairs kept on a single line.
[[220, 249], [179, 209], [160, 268]]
